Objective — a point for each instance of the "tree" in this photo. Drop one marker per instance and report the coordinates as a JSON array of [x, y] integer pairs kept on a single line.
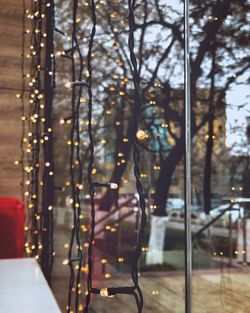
[[159, 33]]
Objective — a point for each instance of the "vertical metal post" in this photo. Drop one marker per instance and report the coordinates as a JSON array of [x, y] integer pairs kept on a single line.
[[188, 234], [230, 240], [119, 235], [244, 237]]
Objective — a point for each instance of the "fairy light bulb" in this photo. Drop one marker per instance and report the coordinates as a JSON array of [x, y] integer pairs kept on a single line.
[[68, 85], [104, 292], [140, 134], [113, 186]]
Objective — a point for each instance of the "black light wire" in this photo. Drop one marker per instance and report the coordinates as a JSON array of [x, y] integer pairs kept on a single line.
[[36, 127], [135, 289], [31, 158], [40, 234], [71, 259], [47, 255], [91, 158], [75, 279], [79, 181], [136, 155]]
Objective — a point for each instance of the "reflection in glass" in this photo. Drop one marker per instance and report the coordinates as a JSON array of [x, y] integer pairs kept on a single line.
[[220, 153]]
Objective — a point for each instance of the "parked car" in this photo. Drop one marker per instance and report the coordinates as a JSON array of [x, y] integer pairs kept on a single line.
[[175, 204], [224, 221], [175, 209]]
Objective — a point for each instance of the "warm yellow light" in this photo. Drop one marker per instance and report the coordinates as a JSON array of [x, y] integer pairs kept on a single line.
[[107, 275], [104, 291], [140, 135], [68, 85]]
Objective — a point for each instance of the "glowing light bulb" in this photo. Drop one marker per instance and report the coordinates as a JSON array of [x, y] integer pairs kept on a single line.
[[104, 291], [140, 135], [68, 85], [107, 275]]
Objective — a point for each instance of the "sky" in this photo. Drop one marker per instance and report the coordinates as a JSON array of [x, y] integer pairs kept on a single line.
[[237, 96]]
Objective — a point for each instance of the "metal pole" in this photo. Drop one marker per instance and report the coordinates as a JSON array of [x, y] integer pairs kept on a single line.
[[230, 240], [187, 180], [244, 238], [119, 235]]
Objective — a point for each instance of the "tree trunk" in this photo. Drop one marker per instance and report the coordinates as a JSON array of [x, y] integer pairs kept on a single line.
[[208, 170], [110, 196], [209, 144], [165, 177]]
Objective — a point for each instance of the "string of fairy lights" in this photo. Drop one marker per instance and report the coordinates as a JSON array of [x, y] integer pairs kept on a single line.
[[37, 167], [78, 85], [75, 260], [75, 255], [47, 256]]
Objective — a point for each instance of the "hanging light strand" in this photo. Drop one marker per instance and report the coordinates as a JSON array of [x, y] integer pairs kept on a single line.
[[36, 134], [47, 255], [76, 178], [136, 157], [133, 290], [91, 157], [35, 125]]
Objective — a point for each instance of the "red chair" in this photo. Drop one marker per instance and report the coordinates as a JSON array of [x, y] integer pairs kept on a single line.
[[12, 219]]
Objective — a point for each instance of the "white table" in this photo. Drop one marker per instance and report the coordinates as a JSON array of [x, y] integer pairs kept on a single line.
[[23, 288]]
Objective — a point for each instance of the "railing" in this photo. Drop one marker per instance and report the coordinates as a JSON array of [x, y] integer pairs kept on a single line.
[[115, 221], [206, 226], [210, 223], [109, 214]]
